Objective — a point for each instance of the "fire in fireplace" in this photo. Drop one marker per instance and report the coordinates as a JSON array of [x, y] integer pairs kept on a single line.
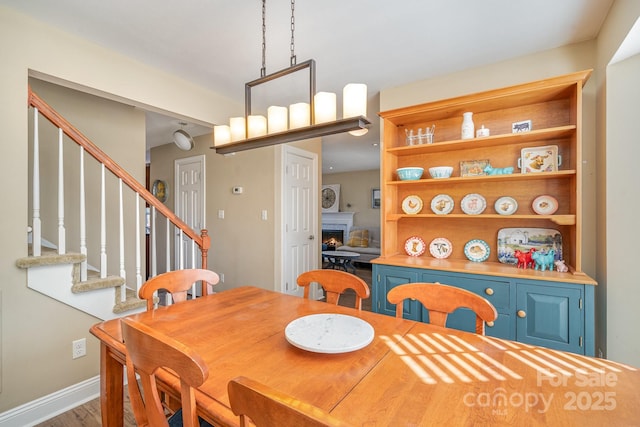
[[332, 238]]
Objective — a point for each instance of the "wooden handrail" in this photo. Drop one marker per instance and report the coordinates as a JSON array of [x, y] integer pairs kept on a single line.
[[203, 240]]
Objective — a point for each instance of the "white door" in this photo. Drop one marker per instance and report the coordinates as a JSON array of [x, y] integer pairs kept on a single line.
[[190, 207], [300, 207]]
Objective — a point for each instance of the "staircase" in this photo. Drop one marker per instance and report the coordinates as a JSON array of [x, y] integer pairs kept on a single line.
[[66, 275]]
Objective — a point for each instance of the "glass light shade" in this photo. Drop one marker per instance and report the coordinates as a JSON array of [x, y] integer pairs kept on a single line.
[[299, 115], [221, 135], [238, 131], [257, 126], [354, 103], [276, 119], [324, 104]]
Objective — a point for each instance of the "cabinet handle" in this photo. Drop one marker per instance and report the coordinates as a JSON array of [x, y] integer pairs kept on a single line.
[[522, 313], [488, 291], [490, 324]]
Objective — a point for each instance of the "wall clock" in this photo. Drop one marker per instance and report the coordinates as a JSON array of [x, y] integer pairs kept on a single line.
[[160, 190], [330, 197]]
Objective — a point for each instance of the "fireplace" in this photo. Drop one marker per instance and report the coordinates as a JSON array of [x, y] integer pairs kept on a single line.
[[332, 238]]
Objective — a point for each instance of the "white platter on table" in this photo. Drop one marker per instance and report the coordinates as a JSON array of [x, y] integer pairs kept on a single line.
[[329, 333]]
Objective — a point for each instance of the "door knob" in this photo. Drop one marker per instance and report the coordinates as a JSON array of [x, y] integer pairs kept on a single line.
[[312, 237], [522, 313], [488, 291]]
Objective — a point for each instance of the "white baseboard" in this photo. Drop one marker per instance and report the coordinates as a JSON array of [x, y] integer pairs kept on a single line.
[[44, 408]]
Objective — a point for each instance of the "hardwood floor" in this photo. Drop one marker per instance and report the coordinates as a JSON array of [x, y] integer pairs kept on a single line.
[[88, 414]]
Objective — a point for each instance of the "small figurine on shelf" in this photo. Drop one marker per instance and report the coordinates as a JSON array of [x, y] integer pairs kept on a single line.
[[524, 258], [543, 260], [498, 171], [561, 267]]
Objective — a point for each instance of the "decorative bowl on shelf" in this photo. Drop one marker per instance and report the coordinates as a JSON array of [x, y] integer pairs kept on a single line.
[[440, 171], [409, 174]]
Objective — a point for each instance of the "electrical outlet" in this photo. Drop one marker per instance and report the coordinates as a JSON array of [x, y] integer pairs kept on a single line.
[[221, 277], [79, 348]]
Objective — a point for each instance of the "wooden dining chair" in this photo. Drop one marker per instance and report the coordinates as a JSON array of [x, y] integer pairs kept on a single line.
[[335, 282], [440, 300], [177, 283], [267, 407], [147, 351]]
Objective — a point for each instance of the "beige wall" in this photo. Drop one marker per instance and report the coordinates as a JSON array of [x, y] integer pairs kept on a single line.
[[37, 331], [618, 232], [355, 190]]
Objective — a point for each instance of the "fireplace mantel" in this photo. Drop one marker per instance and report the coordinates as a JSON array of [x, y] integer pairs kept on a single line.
[[338, 220]]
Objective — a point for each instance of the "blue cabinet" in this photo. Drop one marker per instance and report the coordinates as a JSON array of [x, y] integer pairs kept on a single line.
[[551, 314]]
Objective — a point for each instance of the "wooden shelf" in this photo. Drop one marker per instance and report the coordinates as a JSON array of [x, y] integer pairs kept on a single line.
[[558, 219], [489, 141], [554, 108]]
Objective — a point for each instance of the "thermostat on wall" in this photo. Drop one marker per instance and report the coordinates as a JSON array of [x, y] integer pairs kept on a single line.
[[237, 190]]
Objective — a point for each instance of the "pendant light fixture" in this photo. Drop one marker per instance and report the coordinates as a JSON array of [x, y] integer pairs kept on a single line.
[[182, 139], [302, 120]]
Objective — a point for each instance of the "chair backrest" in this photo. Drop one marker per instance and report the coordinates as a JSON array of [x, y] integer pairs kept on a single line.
[[267, 407], [177, 283], [146, 352], [335, 282], [441, 300]]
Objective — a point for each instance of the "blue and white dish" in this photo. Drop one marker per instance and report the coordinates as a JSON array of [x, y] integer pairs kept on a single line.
[[477, 250]]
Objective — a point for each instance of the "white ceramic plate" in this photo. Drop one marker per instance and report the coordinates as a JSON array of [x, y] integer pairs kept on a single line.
[[545, 205], [473, 204], [415, 246], [477, 250], [329, 333], [442, 204], [412, 205], [506, 205], [440, 248]]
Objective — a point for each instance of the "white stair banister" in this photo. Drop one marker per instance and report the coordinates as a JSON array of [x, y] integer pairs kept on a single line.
[[83, 219], [62, 240], [138, 262], [36, 234], [103, 227], [123, 271]]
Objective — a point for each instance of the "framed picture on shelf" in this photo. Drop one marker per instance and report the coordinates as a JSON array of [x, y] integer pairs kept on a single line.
[[473, 167], [375, 198]]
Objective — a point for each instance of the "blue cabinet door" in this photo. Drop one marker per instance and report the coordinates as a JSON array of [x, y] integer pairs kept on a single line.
[[386, 278], [550, 316]]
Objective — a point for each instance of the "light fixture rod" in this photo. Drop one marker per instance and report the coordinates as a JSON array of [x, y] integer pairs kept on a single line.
[[310, 64], [314, 131]]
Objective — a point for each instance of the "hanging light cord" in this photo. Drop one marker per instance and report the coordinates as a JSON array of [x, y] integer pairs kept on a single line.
[[293, 29], [263, 70], [292, 45]]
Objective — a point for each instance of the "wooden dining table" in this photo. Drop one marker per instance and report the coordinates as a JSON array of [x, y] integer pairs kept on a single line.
[[411, 374]]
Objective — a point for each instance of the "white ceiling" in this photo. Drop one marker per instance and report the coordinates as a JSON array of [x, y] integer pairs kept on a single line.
[[216, 43]]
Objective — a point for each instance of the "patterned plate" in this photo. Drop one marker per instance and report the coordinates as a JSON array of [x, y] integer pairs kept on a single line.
[[477, 250], [506, 205], [442, 204], [473, 204], [412, 205], [440, 248], [415, 246], [545, 205]]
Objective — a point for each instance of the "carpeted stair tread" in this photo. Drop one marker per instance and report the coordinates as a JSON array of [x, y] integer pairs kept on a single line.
[[95, 282], [131, 303], [50, 258]]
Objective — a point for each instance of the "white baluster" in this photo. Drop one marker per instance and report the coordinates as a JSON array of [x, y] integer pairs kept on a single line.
[[123, 271], [62, 240], [83, 220], [154, 260], [193, 265], [168, 259], [103, 229], [138, 267], [36, 234]]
